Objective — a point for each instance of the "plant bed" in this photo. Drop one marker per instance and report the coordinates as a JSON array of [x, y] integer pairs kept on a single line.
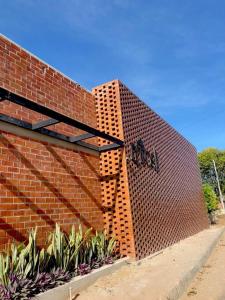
[[27, 270], [79, 283]]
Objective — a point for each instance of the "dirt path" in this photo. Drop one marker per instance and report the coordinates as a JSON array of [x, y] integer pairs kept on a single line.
[[155, 278], [209, 283]]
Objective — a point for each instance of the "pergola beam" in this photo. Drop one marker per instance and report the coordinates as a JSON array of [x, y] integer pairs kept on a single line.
[[56, 115], [44, 123], [81, 137], [54, 118], [108, 147], [51, 133], [54, 134]]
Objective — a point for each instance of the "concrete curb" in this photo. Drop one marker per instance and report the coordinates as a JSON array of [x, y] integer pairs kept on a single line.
[[77, 284], [183, 283]]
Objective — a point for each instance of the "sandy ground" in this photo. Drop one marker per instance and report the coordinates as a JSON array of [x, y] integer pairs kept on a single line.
[[153, 278], [209, 283]]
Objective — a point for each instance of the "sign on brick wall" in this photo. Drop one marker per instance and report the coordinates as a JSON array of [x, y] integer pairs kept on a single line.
[[143, 157]]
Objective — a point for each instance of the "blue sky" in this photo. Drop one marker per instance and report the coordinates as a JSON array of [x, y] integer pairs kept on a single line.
[[170, 53]]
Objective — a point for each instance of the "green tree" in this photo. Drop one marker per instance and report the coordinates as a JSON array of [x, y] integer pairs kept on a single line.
[[206, 158], [211, 199]]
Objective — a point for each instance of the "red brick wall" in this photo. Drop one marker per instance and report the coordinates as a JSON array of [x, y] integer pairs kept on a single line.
[[155, 209], [113, 169], [41, 183]]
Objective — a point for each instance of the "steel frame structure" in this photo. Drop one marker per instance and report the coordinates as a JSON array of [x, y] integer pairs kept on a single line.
[[54, 118]]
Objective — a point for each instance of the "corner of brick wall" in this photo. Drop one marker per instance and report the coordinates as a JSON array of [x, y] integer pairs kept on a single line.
[[114, 181], [147, 210]]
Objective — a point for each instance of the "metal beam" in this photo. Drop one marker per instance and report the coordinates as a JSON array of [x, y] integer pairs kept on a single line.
[[81, 137], [44, 131], [108, 147], [51, 133], [57, 116], [44, 123]]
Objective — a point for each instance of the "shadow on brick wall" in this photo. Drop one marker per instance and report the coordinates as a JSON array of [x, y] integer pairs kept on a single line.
[[13, 232], [74, 176], [113, 216]]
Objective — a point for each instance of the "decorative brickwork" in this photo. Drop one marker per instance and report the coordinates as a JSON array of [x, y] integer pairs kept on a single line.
[[166, 206], [147, 206], [114, 181]]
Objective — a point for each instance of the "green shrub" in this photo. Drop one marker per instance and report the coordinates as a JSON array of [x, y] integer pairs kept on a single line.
[[211, 200]]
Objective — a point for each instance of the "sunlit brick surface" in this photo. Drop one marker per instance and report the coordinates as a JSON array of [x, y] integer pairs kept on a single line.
[[42, 184], [114, 181], [164, 207]]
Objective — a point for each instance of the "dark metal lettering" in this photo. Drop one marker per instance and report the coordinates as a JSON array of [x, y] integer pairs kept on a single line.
[[141, 157]]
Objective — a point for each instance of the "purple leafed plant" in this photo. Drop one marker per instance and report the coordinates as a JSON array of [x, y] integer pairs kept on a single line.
[[108, 260], [83, 269], [25, 289]]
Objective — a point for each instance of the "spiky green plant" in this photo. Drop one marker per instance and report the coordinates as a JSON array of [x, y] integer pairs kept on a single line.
[[57, 248], [104, 245], [27, 260], [68, 251], [4, 268], [80, 246]]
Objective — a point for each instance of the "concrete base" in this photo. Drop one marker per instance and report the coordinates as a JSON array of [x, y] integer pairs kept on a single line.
[[162, 276]]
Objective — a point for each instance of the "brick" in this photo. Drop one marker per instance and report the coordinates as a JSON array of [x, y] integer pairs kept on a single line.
[[37, 180], [146, 210]]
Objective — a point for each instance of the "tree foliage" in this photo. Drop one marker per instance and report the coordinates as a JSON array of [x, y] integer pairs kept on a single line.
[[206, 158], [211, 199]]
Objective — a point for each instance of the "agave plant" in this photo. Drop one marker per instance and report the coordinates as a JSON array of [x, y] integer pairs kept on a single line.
[[110, 247]]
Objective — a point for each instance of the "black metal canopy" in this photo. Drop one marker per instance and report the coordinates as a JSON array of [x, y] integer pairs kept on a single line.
[[54, 118]]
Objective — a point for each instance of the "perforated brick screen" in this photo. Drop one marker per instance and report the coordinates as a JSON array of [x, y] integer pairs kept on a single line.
[[147, 210], [114, 181]]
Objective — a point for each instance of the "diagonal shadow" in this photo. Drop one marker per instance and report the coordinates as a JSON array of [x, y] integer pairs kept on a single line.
[[13, 189], [74, 176], [15, 234], [93, 169], [112, 208], [44, 180]]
